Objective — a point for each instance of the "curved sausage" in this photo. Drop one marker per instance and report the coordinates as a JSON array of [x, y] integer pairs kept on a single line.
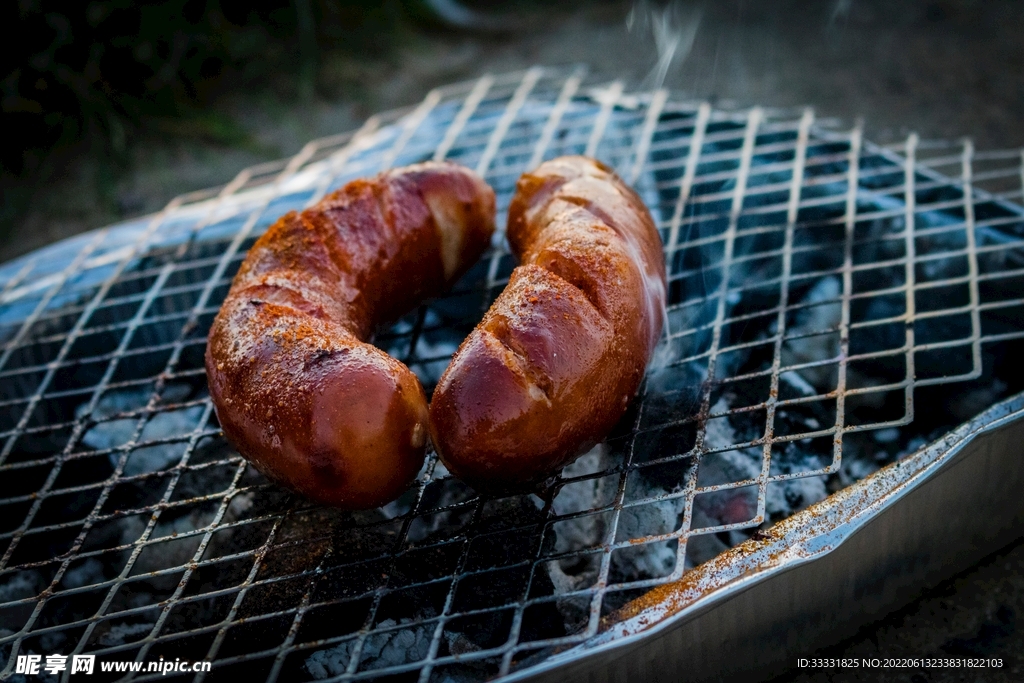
[[554, 363], [296, 387]]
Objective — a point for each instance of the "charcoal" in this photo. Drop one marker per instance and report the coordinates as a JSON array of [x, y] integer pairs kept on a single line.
[[443, 560]]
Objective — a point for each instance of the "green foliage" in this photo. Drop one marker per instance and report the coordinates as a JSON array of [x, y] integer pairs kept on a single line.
[[106, 70]]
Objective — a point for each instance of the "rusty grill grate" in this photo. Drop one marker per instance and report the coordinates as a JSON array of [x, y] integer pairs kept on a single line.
[[816, 280]]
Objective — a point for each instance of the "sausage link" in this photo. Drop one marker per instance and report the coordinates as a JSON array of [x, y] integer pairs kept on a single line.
[[554, 363], [296, 387]]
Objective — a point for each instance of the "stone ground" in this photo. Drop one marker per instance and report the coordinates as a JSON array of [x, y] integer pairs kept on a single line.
[[949, 68]]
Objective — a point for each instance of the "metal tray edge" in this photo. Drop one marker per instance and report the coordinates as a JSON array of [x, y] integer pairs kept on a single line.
[[754, 609]]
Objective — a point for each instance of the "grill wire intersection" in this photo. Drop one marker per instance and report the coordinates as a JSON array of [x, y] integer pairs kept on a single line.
[[815, 281]]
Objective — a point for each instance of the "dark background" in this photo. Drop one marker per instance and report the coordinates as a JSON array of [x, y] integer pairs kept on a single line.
[[111, 107]]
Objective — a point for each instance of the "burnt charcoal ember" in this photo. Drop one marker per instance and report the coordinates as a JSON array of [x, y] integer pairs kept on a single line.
[[579, 571], [386, 647], [475, 632], [672, 390], [173, 541], [20, 585], [821, 315], [122, 633], [453, 503], [111, 431], [154, 575], [84, 574]]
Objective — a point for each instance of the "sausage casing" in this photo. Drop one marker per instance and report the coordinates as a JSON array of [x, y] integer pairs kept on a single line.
[[296, 387], [555, 361]]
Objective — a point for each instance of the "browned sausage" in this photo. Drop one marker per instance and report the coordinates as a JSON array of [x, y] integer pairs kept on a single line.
[[296, 387], [557, 358]]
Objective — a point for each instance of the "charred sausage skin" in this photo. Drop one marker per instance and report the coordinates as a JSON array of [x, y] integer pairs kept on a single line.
[[555, 361], [295, 386]]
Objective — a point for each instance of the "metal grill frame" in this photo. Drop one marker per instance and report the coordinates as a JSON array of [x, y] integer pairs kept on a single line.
[[50, 303]]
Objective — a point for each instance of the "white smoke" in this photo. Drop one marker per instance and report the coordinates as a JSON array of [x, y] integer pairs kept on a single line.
[[672, 28]]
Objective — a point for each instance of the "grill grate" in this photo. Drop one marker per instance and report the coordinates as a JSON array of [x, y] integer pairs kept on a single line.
[[815, 281]]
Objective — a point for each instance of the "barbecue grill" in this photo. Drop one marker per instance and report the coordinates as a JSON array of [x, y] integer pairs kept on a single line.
[[779, 479]]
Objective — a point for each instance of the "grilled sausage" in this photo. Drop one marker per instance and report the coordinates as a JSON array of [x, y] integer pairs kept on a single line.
[[296, 387], [554, 363]]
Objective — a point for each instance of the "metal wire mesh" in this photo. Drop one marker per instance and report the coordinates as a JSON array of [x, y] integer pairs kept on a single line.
[[816, 280]]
